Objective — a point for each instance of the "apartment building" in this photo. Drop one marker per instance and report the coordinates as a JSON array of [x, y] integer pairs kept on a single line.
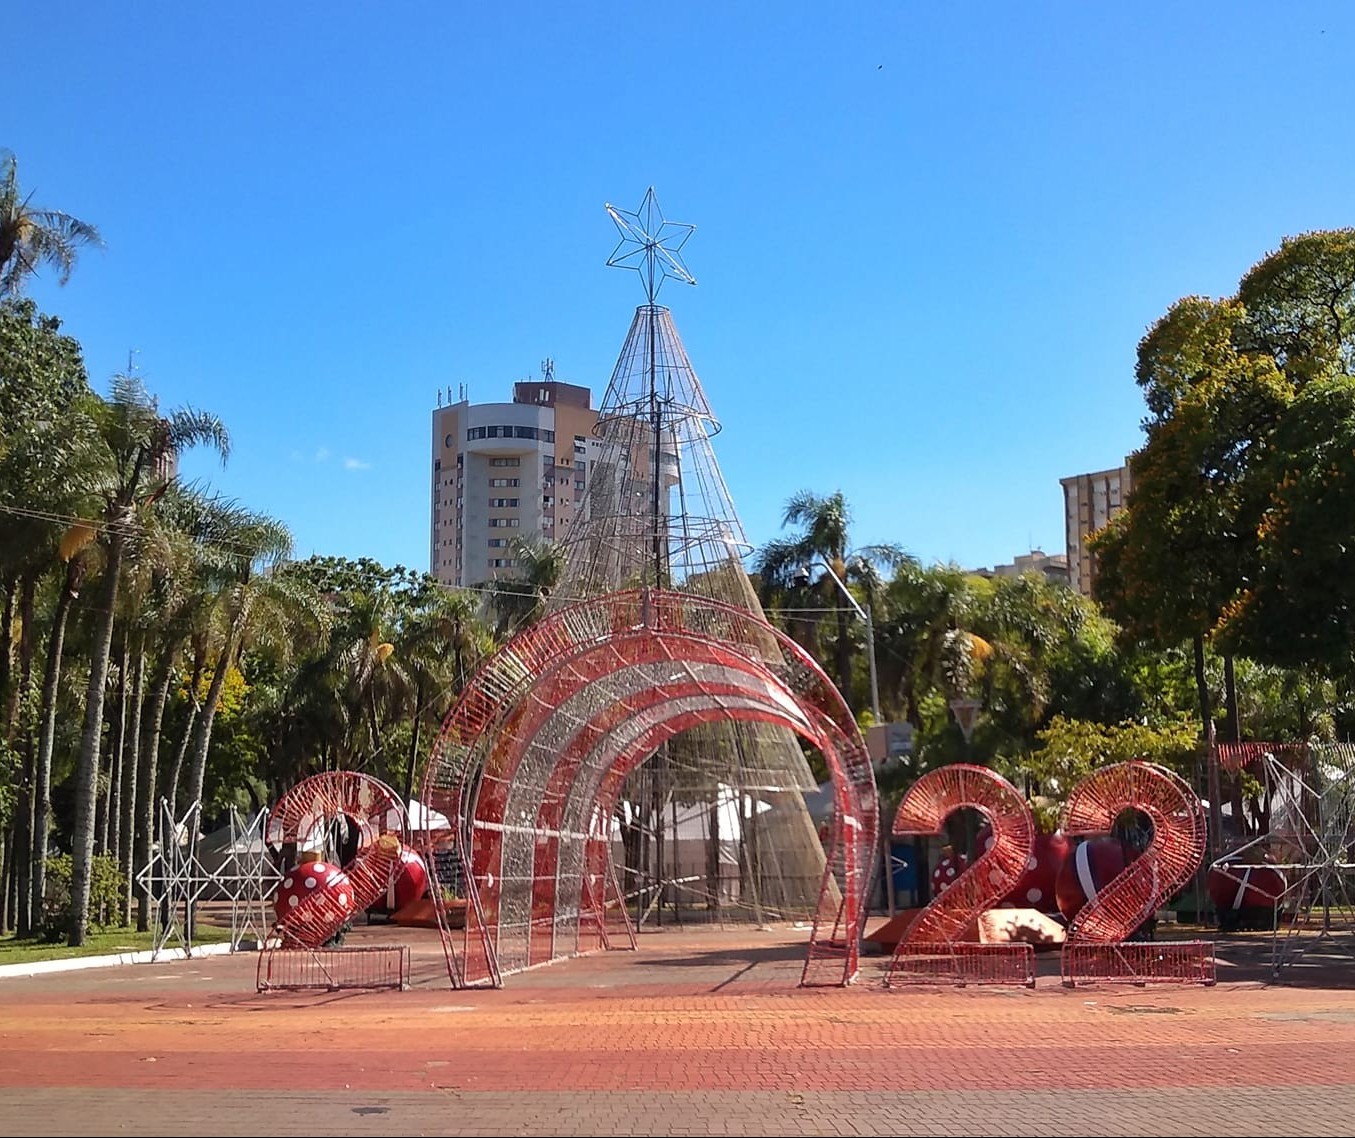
[[1089, 502], [503, 470]]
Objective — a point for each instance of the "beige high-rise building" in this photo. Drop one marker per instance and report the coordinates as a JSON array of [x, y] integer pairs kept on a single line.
[[504, 470], [1089, 502]]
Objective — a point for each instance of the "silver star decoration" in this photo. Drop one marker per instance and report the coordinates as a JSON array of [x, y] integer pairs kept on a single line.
[[650, 244]]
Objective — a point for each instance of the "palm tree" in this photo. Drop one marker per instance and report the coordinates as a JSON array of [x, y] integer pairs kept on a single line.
[[438, 618], [257, 604], [138, 445], [821, 551], [520, 600], [31, 236]]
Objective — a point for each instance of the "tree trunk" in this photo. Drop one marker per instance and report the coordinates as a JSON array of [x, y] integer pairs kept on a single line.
[[1211, 760], [176, 775], [22, 728], [149, 761], [42, 774], [414, 740], [118, 729], [6, 848], [8, 693], [87, 767], [1234, 725], [130, 762], [844, 654], [202, 740]]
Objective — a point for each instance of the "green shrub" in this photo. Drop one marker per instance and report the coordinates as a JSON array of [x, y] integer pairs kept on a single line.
[[106, 888]]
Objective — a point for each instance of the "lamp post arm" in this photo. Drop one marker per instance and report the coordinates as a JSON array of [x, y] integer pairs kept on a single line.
[[870, 639]]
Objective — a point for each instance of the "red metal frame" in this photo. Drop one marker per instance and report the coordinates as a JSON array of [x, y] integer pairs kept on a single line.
[[533, 755]]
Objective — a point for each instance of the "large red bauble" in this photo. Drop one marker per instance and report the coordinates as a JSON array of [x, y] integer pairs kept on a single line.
[[1035, 889], [1234, 888], [313, 901], [947, 870], [410, 879], [1090, 866]]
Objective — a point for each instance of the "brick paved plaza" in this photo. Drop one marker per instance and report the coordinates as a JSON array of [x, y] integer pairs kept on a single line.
[[700, 1032]]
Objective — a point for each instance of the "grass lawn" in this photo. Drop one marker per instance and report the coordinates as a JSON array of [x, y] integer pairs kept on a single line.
[[103, 943]]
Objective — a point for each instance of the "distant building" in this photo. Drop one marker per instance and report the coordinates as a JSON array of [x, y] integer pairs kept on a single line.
[[1089, 502], [504, 470], [1052, 565]]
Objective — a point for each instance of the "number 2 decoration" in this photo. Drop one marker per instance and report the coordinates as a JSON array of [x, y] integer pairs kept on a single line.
[[924, 810], [1095, 943]]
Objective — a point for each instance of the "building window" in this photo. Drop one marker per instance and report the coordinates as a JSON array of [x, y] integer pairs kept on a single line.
[[503, 523], [580, 466], [497, 542], [504, 503], [513, 461], [578, 484], [505, 481], [449, 442]]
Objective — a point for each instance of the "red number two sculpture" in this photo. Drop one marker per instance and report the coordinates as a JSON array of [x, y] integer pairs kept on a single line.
[[935, 945], [1097, 946]]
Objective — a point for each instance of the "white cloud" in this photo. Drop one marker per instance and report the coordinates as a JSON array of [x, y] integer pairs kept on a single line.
[[356, 464], [322, 454]]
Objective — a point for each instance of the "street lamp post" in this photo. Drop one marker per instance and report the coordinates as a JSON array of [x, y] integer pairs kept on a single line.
[[879, 722]]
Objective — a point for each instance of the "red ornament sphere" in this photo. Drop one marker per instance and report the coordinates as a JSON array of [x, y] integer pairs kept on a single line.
[[313, 901], [1089, 867], [947, 870], [409, 879], [1234, 888], [1037, 887]]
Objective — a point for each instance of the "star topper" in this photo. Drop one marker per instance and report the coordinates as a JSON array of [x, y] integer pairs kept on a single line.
[[650, 244]]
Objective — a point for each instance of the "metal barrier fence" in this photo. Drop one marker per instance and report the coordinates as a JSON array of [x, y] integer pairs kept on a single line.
[[333, 969], [962, 963], [1138, 962]]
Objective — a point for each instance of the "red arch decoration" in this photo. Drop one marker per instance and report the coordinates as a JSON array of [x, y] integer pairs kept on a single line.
[[530, 760]]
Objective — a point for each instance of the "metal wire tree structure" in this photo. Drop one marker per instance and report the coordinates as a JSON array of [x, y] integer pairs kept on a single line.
[[1308, 838], [658, 513]]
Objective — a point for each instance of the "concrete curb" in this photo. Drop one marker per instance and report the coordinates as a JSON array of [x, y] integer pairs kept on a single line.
[[146, 956]]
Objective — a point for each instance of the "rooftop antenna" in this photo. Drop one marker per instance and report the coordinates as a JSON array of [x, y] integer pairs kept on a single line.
[[548, 369]]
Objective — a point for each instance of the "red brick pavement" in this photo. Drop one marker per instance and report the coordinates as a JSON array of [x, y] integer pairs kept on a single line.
[[697, 1033]]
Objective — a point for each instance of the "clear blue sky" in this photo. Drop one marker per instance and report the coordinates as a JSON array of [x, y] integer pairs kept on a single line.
[[929, 236]]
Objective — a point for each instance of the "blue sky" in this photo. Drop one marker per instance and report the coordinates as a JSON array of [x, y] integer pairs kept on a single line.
[[929, 236]]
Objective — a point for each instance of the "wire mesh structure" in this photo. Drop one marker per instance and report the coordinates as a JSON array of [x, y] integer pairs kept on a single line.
[[181, 876], [533, 759], [715, 825], [961, 963], [333, 969], [1125, 903], [935, 944], [1305, 833], [349, 820]]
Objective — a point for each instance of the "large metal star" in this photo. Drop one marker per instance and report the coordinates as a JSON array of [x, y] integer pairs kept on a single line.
[[650, 244]]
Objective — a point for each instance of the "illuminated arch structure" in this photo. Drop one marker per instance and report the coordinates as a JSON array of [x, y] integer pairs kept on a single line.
[[533, 756]]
